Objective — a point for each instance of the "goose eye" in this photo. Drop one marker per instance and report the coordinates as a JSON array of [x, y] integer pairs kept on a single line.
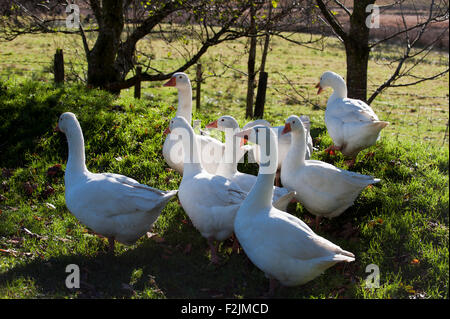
[[180, 77], [293, 122], [222, 120]]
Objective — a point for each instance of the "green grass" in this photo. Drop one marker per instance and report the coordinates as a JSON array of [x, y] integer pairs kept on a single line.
[[403, 218], [400, 224]]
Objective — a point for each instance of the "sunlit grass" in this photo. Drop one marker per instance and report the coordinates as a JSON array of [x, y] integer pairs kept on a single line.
[[400, 224]]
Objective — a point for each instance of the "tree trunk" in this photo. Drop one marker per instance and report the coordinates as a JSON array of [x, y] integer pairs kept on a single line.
[[251, 65], [101, 59], [262, 82], [357, 63], [357, 51]]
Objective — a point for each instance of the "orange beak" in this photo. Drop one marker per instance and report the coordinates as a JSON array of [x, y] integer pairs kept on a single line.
[[167, 131], [244, 136], [319, 88], [286, 129], [171, 82], [212, 124], [243, 141], [57, 129]]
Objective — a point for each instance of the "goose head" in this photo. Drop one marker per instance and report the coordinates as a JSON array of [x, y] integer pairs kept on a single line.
[[65, 122], [224, 123], [179, 80], [255, 123], [294, 124], [266, 139], [68, 124], [178, 126], [329, 79]]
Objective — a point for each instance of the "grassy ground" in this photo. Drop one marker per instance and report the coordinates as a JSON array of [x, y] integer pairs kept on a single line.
[[400, 224]]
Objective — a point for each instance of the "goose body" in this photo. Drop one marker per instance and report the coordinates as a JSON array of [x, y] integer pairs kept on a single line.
[[280, 244], [112, 205], [232, 154], [210, 201], [211, 150], [352, 124], [322, 188]]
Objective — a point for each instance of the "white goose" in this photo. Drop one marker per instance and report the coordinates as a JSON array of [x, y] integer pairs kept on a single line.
[[323, 189], [280, 244], [352, 124], [233, 153], [115, 206], [211, 150], [210, 201], [284, 142]]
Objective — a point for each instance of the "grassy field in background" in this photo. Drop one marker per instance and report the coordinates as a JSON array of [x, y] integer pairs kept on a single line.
[[400, 224], [417, 112]]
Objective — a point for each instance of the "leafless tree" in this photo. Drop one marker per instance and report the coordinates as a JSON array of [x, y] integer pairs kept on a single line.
[[353, 21], [113, 56]]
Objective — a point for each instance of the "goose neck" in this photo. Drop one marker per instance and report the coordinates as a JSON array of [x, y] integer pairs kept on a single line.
[[339, 90], [192, 164], [261, 194], [228, 164], [297, 151], [76, 163], [185, 104]]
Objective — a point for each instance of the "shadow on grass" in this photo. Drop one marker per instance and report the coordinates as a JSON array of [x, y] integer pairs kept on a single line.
[[150, 270]]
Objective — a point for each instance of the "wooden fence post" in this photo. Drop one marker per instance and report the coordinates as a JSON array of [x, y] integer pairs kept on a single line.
[[261, 95], [58, 66], [137, 86], [198, 88]]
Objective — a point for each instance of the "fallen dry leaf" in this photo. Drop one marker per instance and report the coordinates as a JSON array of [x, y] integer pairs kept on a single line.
[[47, 191], [10, 252], [29, 188], [54, 170], [30, 233], [15, 240], [415, 261], [150, 234], [51, 206]]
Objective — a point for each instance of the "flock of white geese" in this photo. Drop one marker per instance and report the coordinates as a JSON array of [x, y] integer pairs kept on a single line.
[[220, 200]]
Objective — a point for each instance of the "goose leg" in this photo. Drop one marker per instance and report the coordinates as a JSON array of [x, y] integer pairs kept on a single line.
[[111, 243], [277, 179], [332, 148], [318, 218], [213, 247], [350, 162], [273, 285]]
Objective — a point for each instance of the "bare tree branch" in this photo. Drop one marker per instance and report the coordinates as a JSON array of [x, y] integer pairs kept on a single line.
[[332, 21]]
